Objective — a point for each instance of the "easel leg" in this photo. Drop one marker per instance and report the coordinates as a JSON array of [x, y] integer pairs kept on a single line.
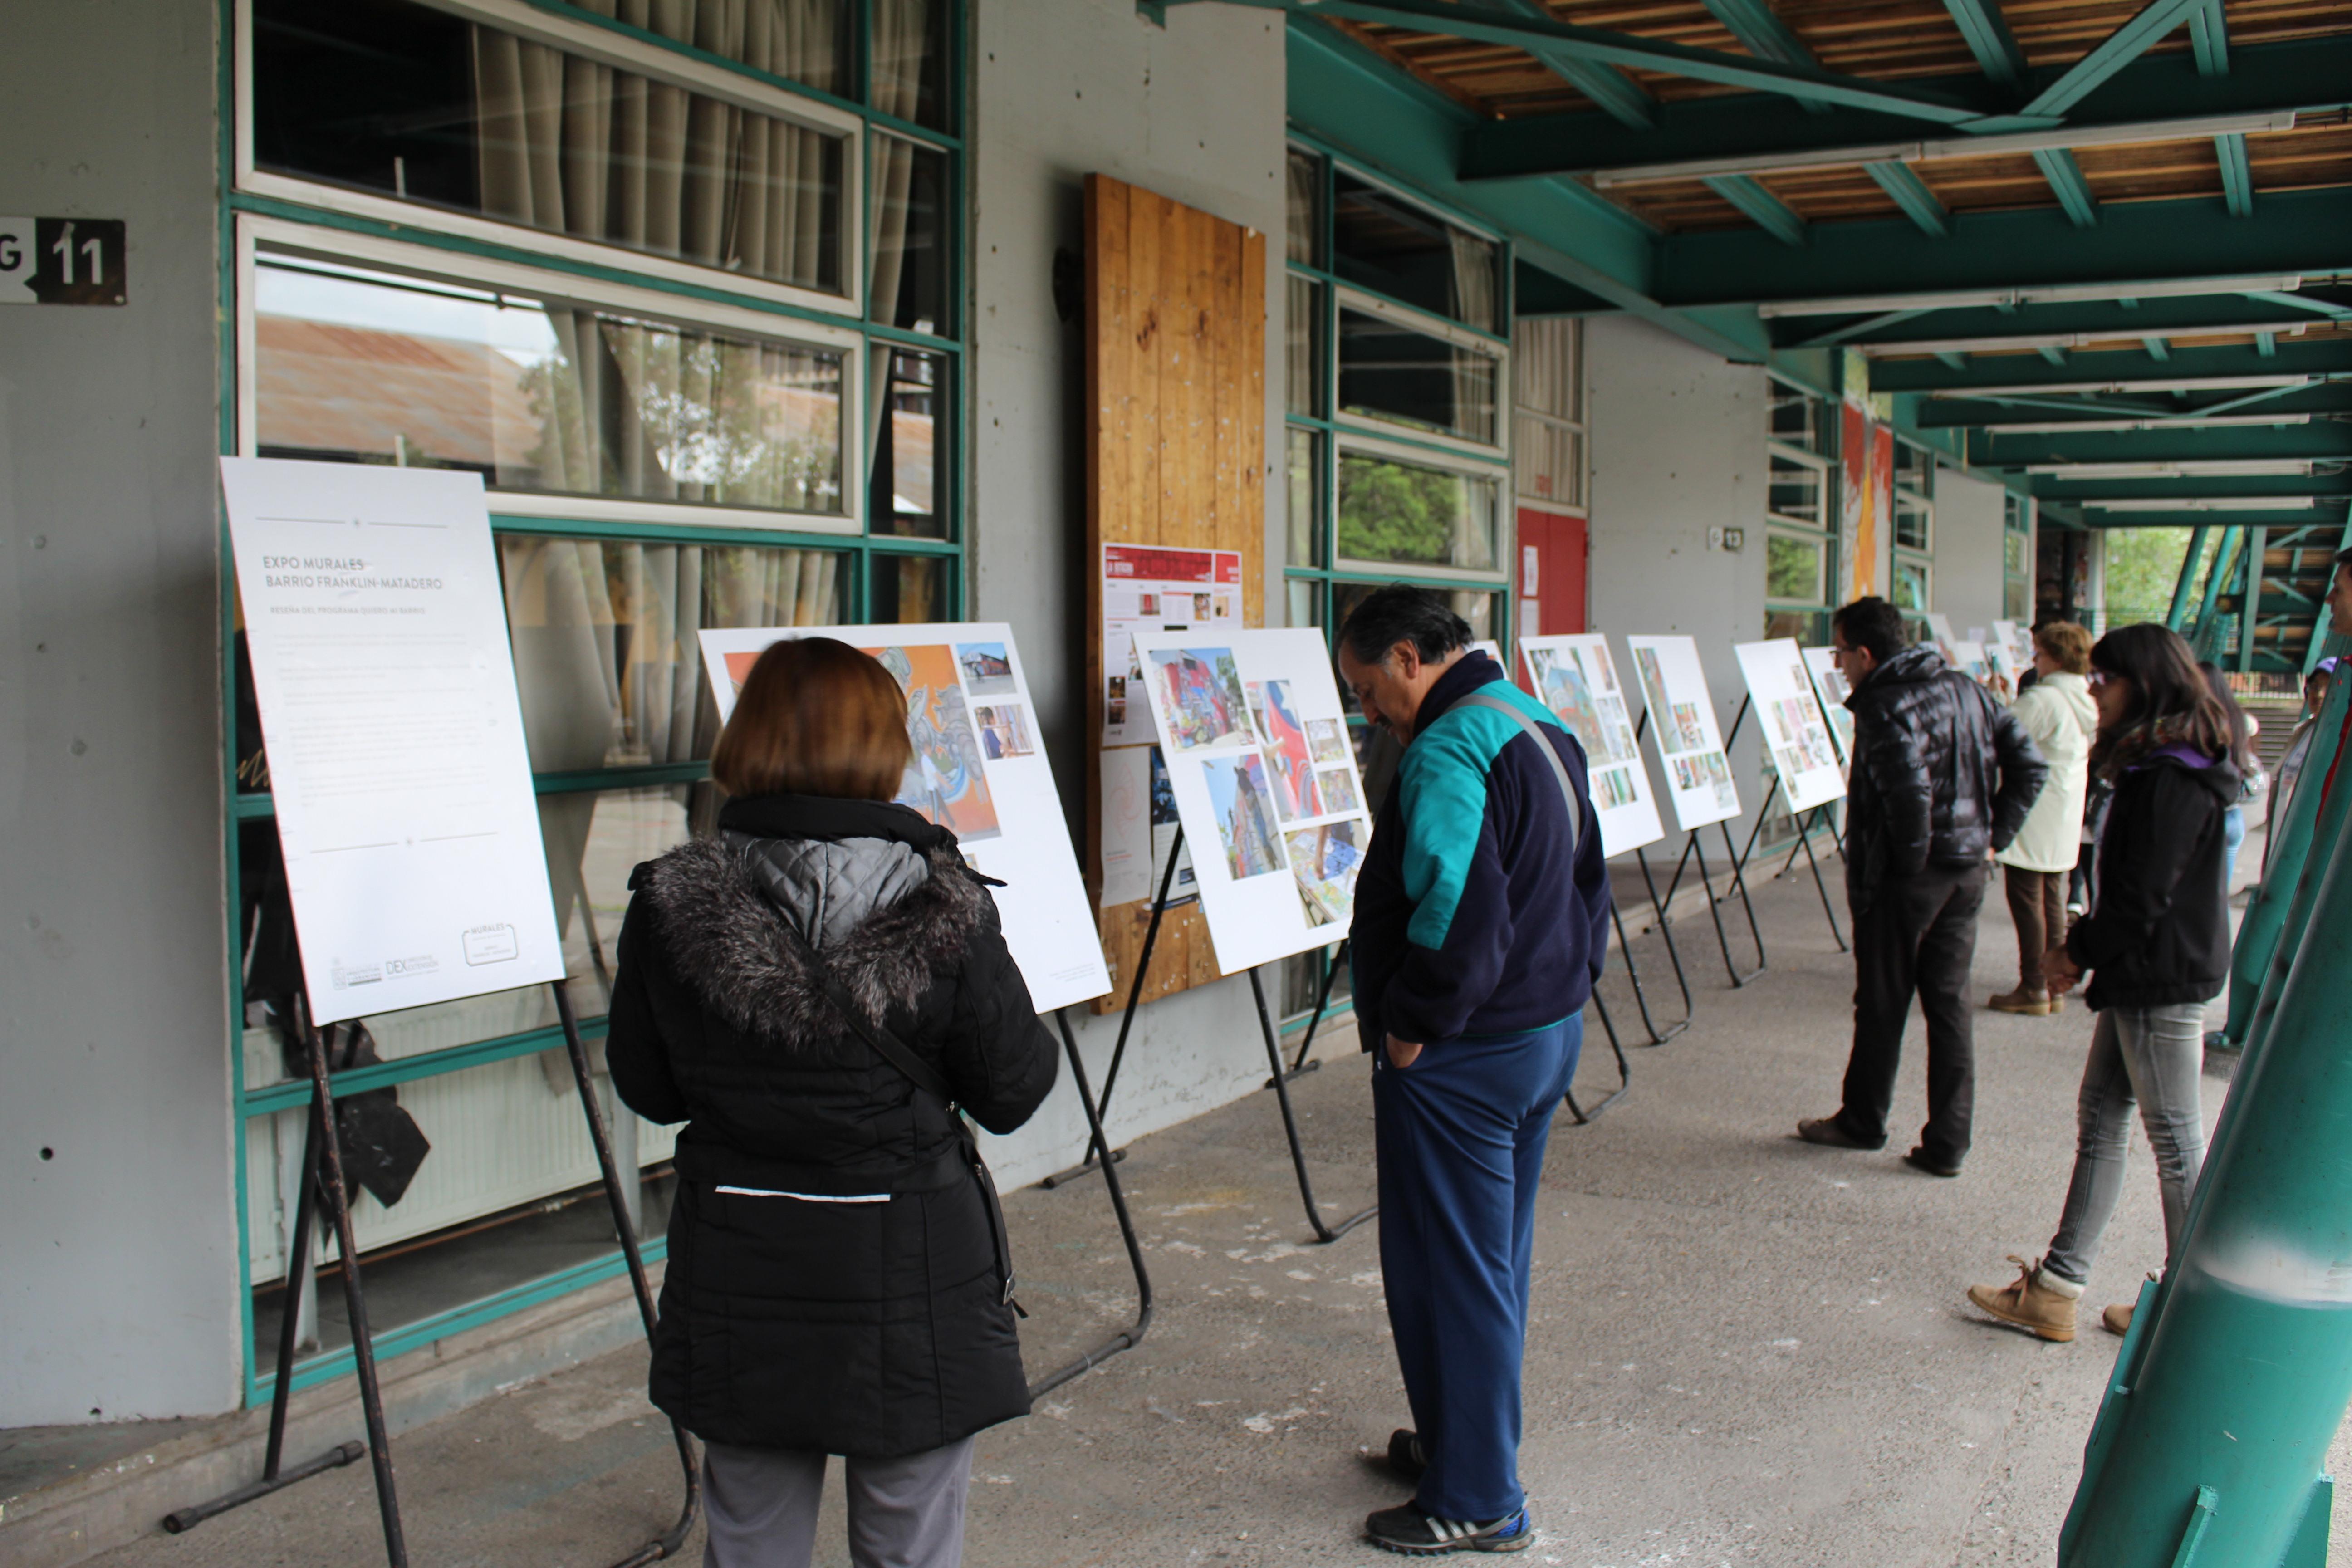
[[1805, 837], [1097, 1149], [1332, 966], [1625, 1075], [1715, 912], [1666, 933], [1634, 973], [305, 1222], [1128, 1337], [337, 1195], [1323, 1233], [625, 1228]]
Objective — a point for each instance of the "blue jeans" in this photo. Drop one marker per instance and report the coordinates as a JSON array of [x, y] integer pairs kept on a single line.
[[1461, 1137], [2233, 833], [2151, 1056]]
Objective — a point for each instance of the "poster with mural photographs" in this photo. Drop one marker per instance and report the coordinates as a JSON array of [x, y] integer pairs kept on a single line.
[[2016, 642], [1682, 726], [1266, 784], [978, 771], [1830, 686], [1579, 679], [1795, 732]]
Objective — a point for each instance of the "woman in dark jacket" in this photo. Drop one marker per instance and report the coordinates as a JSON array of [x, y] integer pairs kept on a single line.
[[837, 1280], [2157, 947]]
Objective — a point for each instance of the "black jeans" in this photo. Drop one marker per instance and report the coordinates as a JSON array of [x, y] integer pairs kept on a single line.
[[1915, 934]]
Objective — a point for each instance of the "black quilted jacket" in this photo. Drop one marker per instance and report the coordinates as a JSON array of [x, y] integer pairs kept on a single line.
[[877, 1328], [1942, 773]]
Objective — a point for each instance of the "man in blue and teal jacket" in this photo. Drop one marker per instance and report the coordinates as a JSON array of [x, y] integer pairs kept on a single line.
[[1481, 923]]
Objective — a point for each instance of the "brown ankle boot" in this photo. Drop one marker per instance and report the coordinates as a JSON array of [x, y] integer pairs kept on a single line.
[[2117, 1319], [2037, 1302], [2032, 1003]]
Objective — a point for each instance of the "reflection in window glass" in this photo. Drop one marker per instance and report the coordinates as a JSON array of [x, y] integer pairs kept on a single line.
[[1807, 628], [911, 589], [1798, 418], [1910, 586], [1305, 602], [1397, 248], [410, 102], [1389, 372], [909, 284], [907, 444], [1548, 460], [910, 59], [1406, 513], [1798, 491], [1792, 568], [606, 660], [539, 394], [1303, 447], [1304, 198], [1914, 524], [1302, 330], [1482, 610]]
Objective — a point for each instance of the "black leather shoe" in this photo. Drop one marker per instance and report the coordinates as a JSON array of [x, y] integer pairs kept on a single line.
[[1405, 1457], [1920, 1160], [1825, 1130]]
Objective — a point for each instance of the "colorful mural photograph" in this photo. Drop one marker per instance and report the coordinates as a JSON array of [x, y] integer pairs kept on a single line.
[[1325, 860], [1244, 814], [1004, 729], [1288, 756], [987, 669], [1329, 737], [1203, 691], [945, 781]]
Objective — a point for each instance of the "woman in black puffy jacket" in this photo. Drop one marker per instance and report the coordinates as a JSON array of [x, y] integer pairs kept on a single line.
[[837, 1279]]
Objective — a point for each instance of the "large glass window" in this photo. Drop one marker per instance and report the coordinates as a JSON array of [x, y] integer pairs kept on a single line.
[[540, 394], [910, 242], [418, 104], [1391, 372], [1548, 430], [1800, 536], [908, 493], [1411, 514], [1397, 247]]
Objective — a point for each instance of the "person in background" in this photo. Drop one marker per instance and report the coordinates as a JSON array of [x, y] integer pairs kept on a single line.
[[2058, 714], [2157, 948], [2298, 747], [1942, 776], [1482, 922], [2243, 727], [838, 1281]]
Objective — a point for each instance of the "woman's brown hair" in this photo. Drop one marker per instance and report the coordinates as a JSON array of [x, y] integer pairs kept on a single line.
[[2170, 702], [815, 717], [2068, 645]]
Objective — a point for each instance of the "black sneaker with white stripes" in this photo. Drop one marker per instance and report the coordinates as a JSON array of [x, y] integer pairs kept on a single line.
[[1413, 1532]]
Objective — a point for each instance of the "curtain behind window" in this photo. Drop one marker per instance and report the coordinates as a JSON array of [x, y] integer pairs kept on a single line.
[[1475, 381]]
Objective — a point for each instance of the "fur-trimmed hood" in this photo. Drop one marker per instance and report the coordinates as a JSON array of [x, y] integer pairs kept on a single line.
[[886, 916]]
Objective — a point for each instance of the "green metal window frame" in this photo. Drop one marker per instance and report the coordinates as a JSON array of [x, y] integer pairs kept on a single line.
[[1325, 569], [1829, 532], [2017, 537], [1923, 495], [865, 548]]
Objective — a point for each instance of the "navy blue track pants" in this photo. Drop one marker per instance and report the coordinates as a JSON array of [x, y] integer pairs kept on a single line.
[[1461, 1136]]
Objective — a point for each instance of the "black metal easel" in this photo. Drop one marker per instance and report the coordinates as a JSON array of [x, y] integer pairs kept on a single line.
[[1693, 848], [1586, 1117], [1805, 844], [1127, 1338], [322, 1175], [1100, 1156]]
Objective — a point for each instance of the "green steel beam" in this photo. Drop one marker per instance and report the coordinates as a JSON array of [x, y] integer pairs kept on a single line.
[[1911, 193], [2209, 37], [2110, 55], [1854, 329], [1617, 94], [2292, 234], [2325, 442], [2195, 486], [2051, 354], [2195, 314], [2311, 357], [2237, 174], [1762, 207], [2225, 558], [1761, 32], [2107, 521], [2307, 76], [2067, 184], [2188, 565], [2266, 344], [1942, 412], [1956, 360], [2251, 597], [2157, 349], [1483, 24], [1989, 39]]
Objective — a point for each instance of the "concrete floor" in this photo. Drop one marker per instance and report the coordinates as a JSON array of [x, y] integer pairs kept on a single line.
[[1746, 1348]]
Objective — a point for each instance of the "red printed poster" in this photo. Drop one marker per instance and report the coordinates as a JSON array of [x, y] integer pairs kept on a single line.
[[1154, 588]]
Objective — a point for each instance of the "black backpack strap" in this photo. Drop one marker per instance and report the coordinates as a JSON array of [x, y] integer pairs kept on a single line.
[[1543, 744]]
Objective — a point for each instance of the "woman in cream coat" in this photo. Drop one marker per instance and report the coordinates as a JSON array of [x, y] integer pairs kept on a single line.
[[2058, 712]]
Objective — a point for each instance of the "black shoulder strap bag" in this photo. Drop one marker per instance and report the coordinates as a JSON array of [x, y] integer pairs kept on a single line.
[[900, 1055]]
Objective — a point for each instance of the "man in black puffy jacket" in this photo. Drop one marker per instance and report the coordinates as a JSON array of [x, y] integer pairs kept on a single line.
[[1943, 775]]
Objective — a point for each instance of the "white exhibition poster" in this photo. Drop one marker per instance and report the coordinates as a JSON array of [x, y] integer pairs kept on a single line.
[[978, 772], [1265, 785], [2018, 642], [1139, 828], [1941, 633], [1152, 588], [1574, 675], [1830, 685], [1788, 716], [397, 767], [1968, 658], [1682, 723]]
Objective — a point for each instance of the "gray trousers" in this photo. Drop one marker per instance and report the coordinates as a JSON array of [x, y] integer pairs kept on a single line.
[[2151, 1056], [761, 1505]]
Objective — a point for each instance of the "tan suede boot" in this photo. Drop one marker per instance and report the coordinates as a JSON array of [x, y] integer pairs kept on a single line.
[[2038, 1301], [2032, 1003], [2117, 1319]]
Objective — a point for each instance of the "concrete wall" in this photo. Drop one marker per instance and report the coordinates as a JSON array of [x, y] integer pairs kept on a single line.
[[1194, 111], [118, 1224], [1677, 448], [1968, 550]]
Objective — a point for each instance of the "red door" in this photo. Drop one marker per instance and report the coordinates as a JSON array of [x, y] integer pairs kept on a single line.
[[1553, 564]]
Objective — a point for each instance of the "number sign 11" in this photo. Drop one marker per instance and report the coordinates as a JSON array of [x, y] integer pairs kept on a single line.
[[61, 261]]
